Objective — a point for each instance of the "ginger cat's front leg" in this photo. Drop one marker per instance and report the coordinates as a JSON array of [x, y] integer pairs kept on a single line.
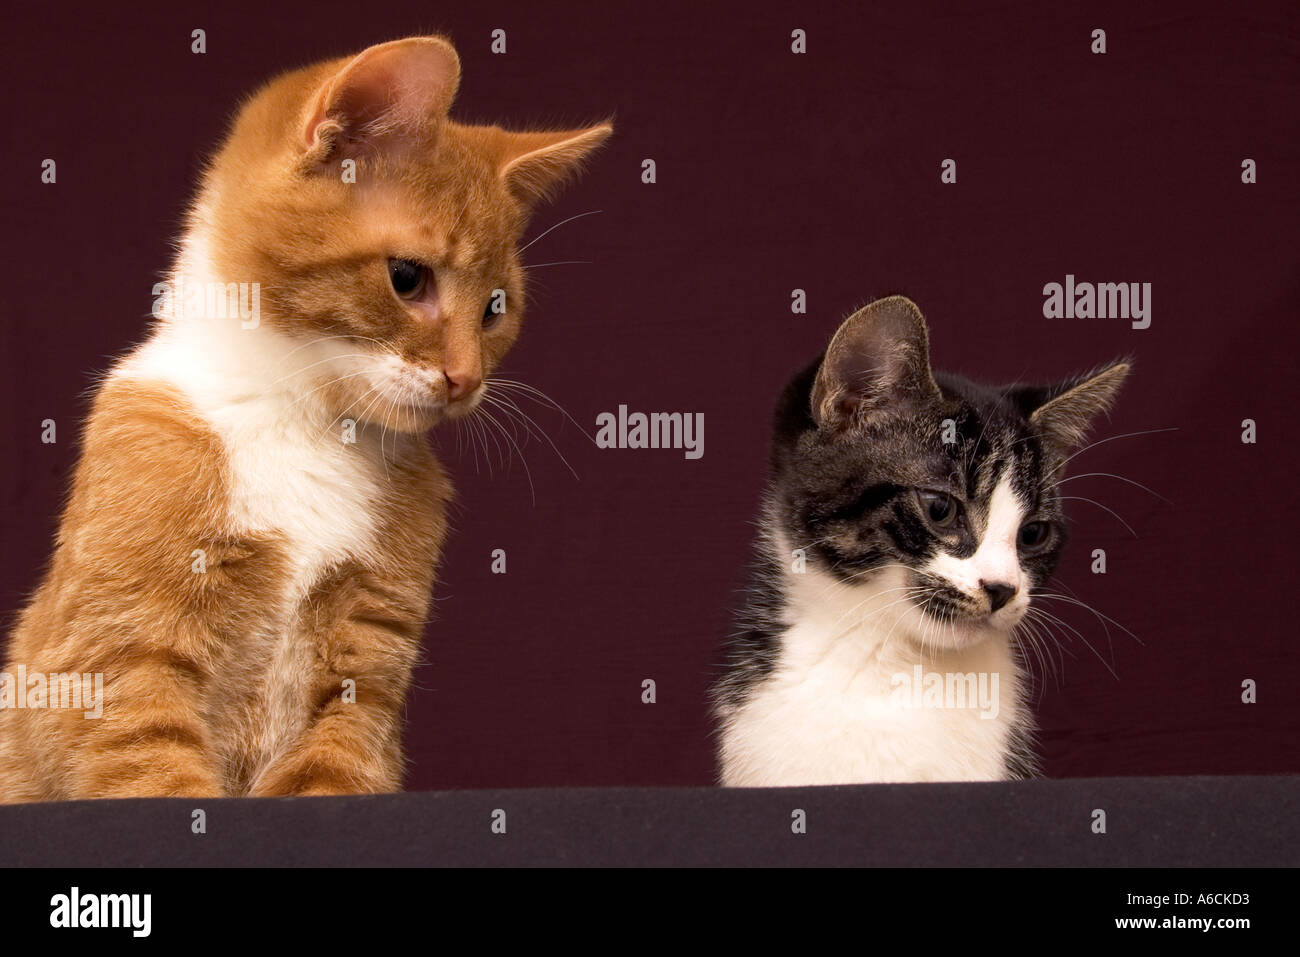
[[152, 740], [149, 741], [366, 639], [148, 590]]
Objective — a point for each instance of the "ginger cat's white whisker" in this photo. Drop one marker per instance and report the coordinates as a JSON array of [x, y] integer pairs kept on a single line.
[[562, 222]]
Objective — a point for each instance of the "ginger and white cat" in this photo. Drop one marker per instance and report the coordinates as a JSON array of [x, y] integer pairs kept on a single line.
[[253, 527]]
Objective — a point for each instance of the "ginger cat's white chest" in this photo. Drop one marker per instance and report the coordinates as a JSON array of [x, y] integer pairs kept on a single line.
[[294, 480], [295, 474]]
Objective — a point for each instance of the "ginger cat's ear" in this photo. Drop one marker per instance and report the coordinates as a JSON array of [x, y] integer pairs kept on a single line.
[[380, 98], [535, 165]]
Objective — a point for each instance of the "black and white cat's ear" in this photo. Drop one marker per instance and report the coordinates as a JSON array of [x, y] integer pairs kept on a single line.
[[878, 359], [381, 99], [535, 165], [1064, 412]]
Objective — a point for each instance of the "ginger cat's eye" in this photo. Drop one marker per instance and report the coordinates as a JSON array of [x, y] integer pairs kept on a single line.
[[490, 316], [408, 277]]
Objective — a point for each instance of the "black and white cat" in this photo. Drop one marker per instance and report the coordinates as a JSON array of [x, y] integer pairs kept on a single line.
[[909, 521]]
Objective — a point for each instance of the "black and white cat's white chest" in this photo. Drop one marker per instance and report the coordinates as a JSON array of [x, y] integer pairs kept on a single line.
[[839, 695]]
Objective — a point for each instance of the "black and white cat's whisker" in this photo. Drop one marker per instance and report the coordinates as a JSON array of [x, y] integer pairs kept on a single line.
[[929, 623], [1050, 626], [916, 595], [851, 612], [1052, 641], [872, 615], [1121, 478], [1118, 517], [1113, 438], [833, 585], [1110, 643], [1052, 647], [1056, 596], [884, 644], [865, 619], [1087, 644], [1049, 620], [590, 212], [1025, 638], [1045, 639], [1037, 641], [939, 623], [854, 580]]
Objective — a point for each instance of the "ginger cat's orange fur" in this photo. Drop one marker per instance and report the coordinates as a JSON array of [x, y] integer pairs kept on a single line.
[[256, 517]]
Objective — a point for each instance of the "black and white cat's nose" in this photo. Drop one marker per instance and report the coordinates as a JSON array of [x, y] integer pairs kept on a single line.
[[999, 593]]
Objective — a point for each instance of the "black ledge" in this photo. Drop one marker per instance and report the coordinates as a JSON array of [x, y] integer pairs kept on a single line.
[[1150, 822]]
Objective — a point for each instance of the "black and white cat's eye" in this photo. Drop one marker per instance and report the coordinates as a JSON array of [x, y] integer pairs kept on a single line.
[[1034, 536], [408, 277], [939, 508]]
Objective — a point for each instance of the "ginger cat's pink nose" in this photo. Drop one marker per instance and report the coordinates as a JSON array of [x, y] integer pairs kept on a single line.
[[461, 383]]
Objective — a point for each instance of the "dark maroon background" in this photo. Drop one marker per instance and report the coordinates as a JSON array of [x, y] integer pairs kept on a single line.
[[775, 171]]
